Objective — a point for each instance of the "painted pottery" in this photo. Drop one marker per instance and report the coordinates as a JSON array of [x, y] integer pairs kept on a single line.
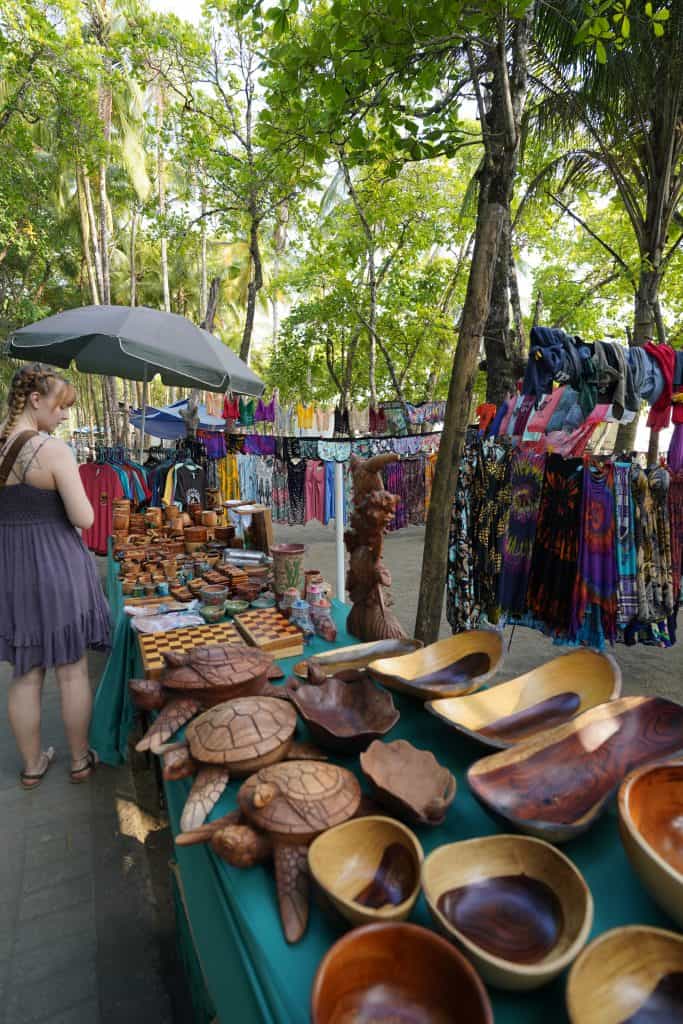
[[356, 656], [290, 804], [288, 567], [345, 717], [452, 667], [547, 696], [394, 971], [236, 607], [556, 784], [651, 825], [409, 782], [630, 975], [517, 907], [211, 613], [367, 869], [214, 595]]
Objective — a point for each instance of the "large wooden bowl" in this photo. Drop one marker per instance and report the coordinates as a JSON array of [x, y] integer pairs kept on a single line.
[[651, 825], [631, 975], [367, 869], [449, 668], [397, 971], [545, 697], [409, 782], [556, 784], [516, 906], [345, 717]]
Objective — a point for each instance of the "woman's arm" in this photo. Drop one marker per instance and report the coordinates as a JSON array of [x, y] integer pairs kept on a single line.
[[60, 459]]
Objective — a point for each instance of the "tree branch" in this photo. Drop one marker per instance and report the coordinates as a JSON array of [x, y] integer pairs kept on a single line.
[[605, 245]]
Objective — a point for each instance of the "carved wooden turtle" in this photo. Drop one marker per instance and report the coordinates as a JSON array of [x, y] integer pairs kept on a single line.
[[199, 679], [234, 739], [286, 806]]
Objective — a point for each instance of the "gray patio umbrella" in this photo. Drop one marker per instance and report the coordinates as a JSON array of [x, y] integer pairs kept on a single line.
[[136, 343]]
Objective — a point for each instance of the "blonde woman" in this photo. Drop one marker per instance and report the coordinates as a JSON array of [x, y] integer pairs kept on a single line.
[[51, 603]]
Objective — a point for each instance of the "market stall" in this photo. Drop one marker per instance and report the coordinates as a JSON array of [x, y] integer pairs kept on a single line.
[[232, 921]]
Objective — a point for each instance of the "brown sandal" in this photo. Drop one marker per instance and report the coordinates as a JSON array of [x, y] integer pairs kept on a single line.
[[79, 775], [31, 780]]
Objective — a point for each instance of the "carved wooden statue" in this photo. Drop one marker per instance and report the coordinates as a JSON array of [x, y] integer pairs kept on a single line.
[[370, 618]]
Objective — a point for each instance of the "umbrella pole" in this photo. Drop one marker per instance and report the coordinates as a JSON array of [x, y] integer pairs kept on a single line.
[[144, 410]]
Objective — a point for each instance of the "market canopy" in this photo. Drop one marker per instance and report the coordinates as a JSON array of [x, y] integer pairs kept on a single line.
[[136, 343], [167, 423]]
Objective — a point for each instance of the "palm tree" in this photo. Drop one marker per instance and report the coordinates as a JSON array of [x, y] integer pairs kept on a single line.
[[628, 98]]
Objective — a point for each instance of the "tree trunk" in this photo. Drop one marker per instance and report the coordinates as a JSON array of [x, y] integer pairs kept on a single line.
[[203, 271], [85, 235], [280, 242], [490, 218], [372, 328], [254, 286], [104, 234], [94, 234], [161, 191], [211, 305], [501, 371], [644, 329], [131, 259]]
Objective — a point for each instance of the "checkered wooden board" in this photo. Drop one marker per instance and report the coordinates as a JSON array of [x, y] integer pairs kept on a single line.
[[152, 645], [268, 629]]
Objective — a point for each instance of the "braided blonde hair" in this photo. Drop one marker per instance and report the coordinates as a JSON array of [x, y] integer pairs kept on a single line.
[[28, 379]]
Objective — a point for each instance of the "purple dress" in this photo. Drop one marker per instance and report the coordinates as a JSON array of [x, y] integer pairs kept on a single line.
[[51, 602]]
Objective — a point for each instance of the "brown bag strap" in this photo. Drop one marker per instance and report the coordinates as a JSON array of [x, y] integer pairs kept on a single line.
[[8, 462]]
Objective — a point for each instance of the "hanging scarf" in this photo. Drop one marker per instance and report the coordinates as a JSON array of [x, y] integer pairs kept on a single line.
[[526, 483], [460, 609], [651, 606], [553, 563], [492, 500], [660, 413], [594, 611], [627, 562], [676, 524], [660, 482]]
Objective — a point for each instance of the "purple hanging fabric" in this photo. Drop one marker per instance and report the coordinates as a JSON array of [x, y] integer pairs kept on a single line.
[[394, 481], [256, 444], [526, 484], [675, 456], [594, 604]]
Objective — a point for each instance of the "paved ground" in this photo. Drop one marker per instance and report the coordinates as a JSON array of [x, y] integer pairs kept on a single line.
[[86, 923]]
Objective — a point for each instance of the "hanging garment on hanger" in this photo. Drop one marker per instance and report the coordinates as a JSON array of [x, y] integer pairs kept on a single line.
[[460, 609], [280, 491], [651, 578], [102, 486], [228, 477], [676, 525], [526, 484], [394, 482], [429, 467], [231, 409], [491, 496], [556, 548], [330, 485], [264, 479], [660, 413], [296, 483], [190, 484], [246, 467], [314, 491], [594, 601], [627, 562]]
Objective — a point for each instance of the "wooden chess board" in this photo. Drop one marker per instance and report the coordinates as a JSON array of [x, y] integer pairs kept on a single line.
[[152, 645], [268, 629]]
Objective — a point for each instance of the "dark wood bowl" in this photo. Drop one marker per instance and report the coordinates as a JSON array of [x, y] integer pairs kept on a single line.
[[516, 906], [367, 869], [452, 667], [651, 825], [627, 976], [547, 696], [555, 785], [397, 971], [409, 782], [345, 717]]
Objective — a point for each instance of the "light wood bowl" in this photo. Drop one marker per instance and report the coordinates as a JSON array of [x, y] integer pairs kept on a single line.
[[408, 781], [651, 825], [356, 656], [556, 784], [547, 696], [367, 869], [449, 668], [625, 973], [397, 971], [531, 932]]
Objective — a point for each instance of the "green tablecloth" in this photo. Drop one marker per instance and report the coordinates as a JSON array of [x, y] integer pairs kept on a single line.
[[254, 976]]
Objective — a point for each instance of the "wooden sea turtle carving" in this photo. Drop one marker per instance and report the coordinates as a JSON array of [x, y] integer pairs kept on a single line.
[[199, 679], [286, 806], [229, 740]]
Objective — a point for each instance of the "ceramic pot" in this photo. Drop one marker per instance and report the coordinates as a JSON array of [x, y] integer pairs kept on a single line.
[[288, 567], [214, 595], [212, 613]]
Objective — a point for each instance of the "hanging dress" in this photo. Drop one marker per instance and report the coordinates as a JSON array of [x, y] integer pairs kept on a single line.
[[460, 609], [594, 611], [526, 484]]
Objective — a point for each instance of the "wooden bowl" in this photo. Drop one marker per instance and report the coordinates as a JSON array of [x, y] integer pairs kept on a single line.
[[409, 782], [547, 696], [517, 907], [396, 971], [367, 869], [356, 656], [345, 716], [449, 668], [651, 825], [556, 784], [631, 974]]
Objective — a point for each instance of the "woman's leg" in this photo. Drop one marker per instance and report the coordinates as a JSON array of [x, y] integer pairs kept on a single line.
[[74, 686], [24, 715]]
